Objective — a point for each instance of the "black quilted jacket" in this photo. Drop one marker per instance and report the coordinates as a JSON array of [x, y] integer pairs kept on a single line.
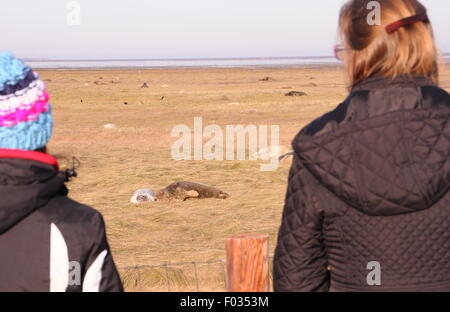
[[370, 182], [49, 242]]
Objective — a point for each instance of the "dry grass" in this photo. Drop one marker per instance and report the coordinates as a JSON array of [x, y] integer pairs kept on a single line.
[[116, 162]]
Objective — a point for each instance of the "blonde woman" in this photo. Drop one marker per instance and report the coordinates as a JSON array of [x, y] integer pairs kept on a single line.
[[367, 206]]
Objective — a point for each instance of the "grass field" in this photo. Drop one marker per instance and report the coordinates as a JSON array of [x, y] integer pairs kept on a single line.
[[136, 154]]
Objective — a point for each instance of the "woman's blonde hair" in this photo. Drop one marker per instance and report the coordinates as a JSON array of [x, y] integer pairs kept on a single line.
[[372, 51]]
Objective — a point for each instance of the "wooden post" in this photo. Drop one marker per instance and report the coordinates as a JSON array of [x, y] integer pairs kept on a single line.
[[248, 263]]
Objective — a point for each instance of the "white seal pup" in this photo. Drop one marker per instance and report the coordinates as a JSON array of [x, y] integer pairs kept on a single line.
[[143, 195]]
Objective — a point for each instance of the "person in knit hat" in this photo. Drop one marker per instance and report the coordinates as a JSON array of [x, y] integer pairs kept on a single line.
[[48, 242], [25, 114]]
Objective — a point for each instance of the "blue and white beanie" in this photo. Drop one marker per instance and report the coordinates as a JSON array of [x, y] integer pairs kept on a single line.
[[25, 114]]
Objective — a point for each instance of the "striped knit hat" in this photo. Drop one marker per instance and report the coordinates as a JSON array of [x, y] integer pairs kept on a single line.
[[25, 115]]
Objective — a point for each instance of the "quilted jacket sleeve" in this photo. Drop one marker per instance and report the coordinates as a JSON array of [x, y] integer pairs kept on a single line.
[[300, 263]]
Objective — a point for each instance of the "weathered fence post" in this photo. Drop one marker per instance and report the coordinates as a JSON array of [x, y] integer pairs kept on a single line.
[[248, 263]]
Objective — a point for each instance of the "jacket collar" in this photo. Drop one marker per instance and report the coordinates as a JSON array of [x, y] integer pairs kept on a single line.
[[375, 83], [28, 181], [30, 155]]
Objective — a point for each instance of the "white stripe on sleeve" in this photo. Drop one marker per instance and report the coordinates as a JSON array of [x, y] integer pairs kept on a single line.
[[93, 275], [59, 261]]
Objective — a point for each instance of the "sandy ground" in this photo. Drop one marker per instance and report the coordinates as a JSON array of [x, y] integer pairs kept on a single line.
[[137, 154]]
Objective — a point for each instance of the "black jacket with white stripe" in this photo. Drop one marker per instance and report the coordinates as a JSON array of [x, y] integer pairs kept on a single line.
[[47, 241]]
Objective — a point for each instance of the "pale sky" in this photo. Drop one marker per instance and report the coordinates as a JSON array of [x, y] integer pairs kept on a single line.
[[181, 28]]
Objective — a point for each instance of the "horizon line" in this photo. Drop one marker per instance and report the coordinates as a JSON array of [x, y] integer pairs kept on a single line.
[[172, 59], [181, 58]]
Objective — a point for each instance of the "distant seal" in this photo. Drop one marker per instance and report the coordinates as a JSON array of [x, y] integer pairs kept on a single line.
[[143, 195], [184, 190], [179, 190], [295, 93]]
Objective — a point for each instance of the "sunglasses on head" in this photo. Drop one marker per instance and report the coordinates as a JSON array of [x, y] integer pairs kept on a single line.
[[340, 50]]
